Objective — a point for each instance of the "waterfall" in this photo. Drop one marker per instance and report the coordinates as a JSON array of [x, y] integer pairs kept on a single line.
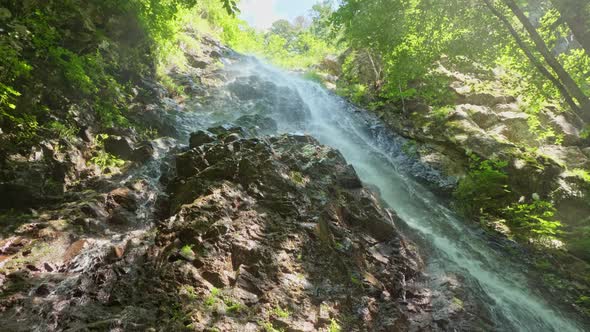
[[451, 248]]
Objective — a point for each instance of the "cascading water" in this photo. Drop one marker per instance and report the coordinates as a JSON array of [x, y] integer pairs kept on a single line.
[[451, 247]]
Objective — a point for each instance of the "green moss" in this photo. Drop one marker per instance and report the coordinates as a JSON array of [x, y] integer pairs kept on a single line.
[[458, 302], [105, 160], [189, 291], [297, 178], [441, 113], [187, 251], [355, 280], [280, 312], [410, 148], [212, 298], [334, 326], [582, 174]]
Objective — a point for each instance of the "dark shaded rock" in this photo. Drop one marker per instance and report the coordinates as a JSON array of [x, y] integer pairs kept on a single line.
[[332, 65], [216, 278], [258, 124], [249, 209], [18, 196], [85, 134], [143, 153], [232, 138], [120, 216], [93, 209], [199, 138], [224, 131], [198, 62], [119, 146], [349, 179], [123, 197], [42, 290]]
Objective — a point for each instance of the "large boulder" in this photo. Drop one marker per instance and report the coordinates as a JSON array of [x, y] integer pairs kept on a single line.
[[258, 124], [119, 146], [331, 64], [269, 221]]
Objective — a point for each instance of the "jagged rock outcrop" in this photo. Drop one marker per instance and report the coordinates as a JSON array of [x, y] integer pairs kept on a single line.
[[284, 224], [260, 232]]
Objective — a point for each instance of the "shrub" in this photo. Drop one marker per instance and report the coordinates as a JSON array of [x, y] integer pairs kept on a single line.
[[534, 220], [485, 188]]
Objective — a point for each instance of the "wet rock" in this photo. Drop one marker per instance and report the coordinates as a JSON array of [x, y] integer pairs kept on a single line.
[[120, 216], [94, 209], [224, 131], [73, 250], [349, 179], [258, 124], [199, 138], [117, 252], [119, 146], [123, 197], [42, 291], [250, 207], [246, 90], [232, 138], [48, 267], [143, 153]]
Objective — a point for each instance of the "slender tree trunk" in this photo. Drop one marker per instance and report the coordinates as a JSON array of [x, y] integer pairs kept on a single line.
[[540, 67], [377, 74], [576, 13], [563, 75]]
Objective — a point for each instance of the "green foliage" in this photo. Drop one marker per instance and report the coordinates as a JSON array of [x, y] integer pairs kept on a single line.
[[485, 193], [62, 130], [268, 327], [54, 54], [334, 326], [105, 160], [485, 188], [579, 243], [533, 220], [187, 251], [286, 44], [582, 174], [280, 312], [189, 291], [399, 46], [441, 113], [212, 298]]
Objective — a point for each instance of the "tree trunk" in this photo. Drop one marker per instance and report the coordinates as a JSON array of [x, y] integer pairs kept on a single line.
[[563, 75], [540, 67], [576, 13]]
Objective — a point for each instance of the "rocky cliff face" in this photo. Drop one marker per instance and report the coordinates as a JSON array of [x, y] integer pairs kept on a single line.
[[256, 233], [282, 230], [237, 232], [490, 123]]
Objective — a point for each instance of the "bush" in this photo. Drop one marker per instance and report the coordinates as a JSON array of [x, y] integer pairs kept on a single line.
[[485, 188], [533, 220], [485, 192]]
